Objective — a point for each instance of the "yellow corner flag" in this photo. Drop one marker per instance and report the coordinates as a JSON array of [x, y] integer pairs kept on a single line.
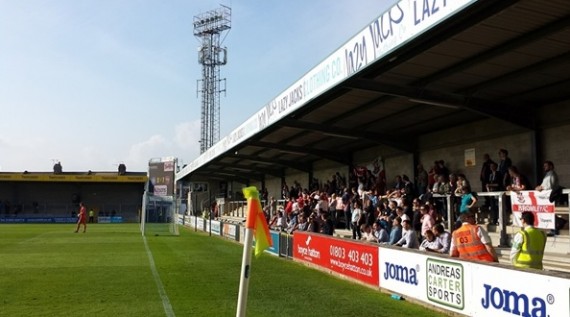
[[256, 220]]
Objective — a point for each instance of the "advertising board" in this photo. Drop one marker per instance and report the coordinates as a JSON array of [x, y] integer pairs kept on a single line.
[[230, 231], [506, 292], [355, 260], [434, 280], [216, 227]]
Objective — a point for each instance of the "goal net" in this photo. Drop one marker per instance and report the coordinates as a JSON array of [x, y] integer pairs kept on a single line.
[[158, 216]]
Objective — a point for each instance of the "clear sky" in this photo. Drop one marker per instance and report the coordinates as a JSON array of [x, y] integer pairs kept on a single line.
[[97, 83]]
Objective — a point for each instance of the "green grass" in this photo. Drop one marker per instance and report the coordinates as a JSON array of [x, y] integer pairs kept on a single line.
[[47, 270]]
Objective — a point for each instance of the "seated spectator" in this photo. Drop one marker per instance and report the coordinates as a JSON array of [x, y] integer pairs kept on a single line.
[[443, 237], [278, 221], [429, 242], [380, 233], [517, 180], [327, 225], [367, 234], [400, 213], [302, 223], [409, 238], [313, 225], [396, 232]]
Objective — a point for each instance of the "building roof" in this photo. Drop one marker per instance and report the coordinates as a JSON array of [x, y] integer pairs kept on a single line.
[[507, 60]]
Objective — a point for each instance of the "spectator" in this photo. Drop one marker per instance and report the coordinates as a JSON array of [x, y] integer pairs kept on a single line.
[[504, 164], [443, 237], [421, 180], [485, 170], [550, 180], [429, 242], [327, 225], [494, 183], [517, 180], [484, 175], [380, 233], [409, 238], [471, 241], [468, 200], [396, 232], [278, 221], [427, 220], [357, 217], [367, 234], [400, 213], [346, 199], [302, 223], [528, 244]]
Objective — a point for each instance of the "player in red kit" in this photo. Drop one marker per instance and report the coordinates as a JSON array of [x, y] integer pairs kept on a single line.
[[82, 218]]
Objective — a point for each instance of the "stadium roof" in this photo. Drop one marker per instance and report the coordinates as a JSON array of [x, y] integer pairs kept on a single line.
[[489, 59]]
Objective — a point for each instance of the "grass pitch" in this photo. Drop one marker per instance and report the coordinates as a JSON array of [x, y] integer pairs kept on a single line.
[[47, 270]]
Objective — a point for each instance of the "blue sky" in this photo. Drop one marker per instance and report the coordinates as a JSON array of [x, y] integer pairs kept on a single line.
[[97, 83]]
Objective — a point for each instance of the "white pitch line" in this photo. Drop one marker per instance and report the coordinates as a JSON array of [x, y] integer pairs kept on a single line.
[[165, 301]]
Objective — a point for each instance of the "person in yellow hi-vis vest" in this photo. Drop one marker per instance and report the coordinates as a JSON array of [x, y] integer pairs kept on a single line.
[[528, 244]]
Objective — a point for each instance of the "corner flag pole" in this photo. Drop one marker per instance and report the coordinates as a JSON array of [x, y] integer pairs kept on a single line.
[[255, 224], [244, 280]]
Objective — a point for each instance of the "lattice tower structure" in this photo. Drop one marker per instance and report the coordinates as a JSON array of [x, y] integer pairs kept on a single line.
[[210, 28]]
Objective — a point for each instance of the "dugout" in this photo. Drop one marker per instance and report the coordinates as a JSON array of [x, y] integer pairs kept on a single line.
[[46, 196], [427, 80]]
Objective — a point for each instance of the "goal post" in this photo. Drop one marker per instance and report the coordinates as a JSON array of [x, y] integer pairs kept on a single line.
[[158, 216]]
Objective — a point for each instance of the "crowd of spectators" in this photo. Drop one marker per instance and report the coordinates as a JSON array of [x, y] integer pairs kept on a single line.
[[404, 213]]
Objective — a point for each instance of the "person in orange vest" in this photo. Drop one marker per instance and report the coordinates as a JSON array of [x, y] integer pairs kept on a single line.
[[528, 244], [472, 242]]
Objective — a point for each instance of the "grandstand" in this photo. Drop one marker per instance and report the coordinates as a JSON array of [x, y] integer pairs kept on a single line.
[[36, 197]]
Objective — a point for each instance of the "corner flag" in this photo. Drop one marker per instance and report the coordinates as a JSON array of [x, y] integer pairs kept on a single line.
[[256, 224], [256, 220]]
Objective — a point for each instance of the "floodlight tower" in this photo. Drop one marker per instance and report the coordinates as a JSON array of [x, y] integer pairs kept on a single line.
[[208, 28]]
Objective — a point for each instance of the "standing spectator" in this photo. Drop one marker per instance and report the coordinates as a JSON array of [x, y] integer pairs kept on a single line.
[[484, 175], [409, 238], [468, 200], [427, 220], [357, 217], [82, 218], [421, 180], [504, 164], [485, 170], [443, 237], [528, 244], [472, 242], [347, 210], [494, 183], [272, 206], [91, 215]]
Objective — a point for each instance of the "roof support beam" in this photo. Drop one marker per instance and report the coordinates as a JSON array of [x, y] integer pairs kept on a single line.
[[328, 130], [484, 107], [248, 168], [520, 41], [342, 158], [273, 161]]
